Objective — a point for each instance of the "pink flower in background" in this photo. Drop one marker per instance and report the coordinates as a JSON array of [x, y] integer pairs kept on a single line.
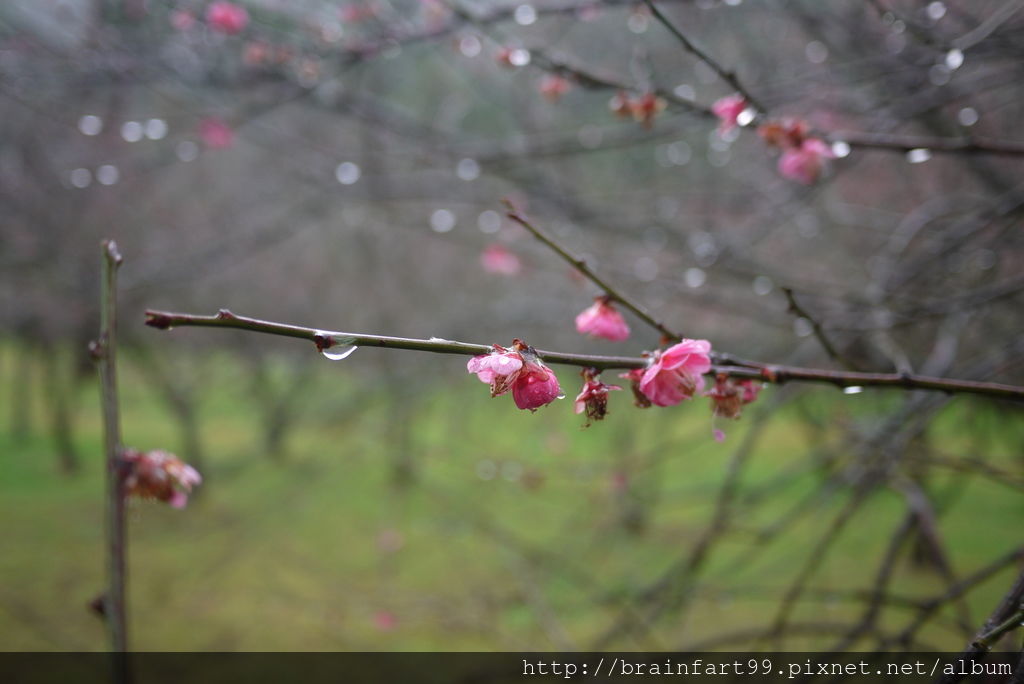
[[227, 17], [603, 320], [593, 398], [805, 162], [182, 20], [554, 87], [215, 133], [728, 110], [385, 620], [749, 390], [646, 107], [158, 475], [676, 373], [499, 259], [520, 371], [729, 396]]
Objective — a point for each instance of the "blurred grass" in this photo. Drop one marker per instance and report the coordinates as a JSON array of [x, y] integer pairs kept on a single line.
[[517, 533]]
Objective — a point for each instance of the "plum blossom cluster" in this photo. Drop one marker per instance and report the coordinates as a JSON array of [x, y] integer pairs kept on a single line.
[[803, 157], [729, 396], [158, 475], [642, 108], [520, 371]]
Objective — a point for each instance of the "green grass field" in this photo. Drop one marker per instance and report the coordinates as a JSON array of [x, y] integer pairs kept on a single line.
[[519, 531]]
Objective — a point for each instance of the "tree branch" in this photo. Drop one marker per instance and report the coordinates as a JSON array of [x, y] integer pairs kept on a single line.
[[105, 351], [323, 339]]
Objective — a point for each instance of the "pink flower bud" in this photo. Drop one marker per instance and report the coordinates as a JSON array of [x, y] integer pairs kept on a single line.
[[158, 475], [499, 259], [676, 373], [728, 110], [554, 87], [805, 163], [215, 133], [227, 18], [603, 320]]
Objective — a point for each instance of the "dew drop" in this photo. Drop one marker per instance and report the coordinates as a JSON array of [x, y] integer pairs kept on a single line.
[[339, 353], [853, 389], [525, 15], [919, 155]]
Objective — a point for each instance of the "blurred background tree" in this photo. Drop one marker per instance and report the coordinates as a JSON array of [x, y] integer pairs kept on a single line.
[[341, 164]]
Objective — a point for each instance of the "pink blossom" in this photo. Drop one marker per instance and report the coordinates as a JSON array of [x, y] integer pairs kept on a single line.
[[385, 620], [227, 17], [603, 320], [158, 475], [554, 87], [520, 371], [215, 133], [593, 398], [804, 163], [535, 386], [496, 369], [728, 109], [676, 373], [182, 20], [729, 396], [499, 259]]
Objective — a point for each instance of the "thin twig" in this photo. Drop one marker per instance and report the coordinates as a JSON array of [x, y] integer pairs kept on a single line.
[[819, 331], [587, 272], [768, 373], [105, 351], [726, 75]]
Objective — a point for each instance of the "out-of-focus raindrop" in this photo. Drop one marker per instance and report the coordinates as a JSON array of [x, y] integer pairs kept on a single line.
[[442, 221], [936, 10], [467, 169], [187, 150], [470, 46], [645, 269], [802, 327], [733, 3], [525, 15], [816, 52], [955, 59], [156, 129], [684, 91], [939, 74], [131, 131], [919, 155], [339, 352], [841, 149], [519, 57], [679, 153], [695, 277], [762, 285], [968, 116], [90, 124], [853, 389], [489, 221], [746, 117], [80, 178], [898, 26], [107, 174], [486, 469], [347, 173], [895, 43], [638, 22]]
